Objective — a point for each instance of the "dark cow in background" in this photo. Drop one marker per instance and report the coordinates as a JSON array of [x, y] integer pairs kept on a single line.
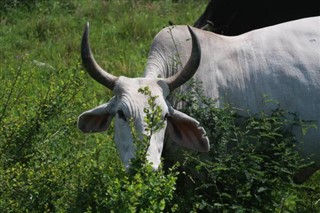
[[234, 17]]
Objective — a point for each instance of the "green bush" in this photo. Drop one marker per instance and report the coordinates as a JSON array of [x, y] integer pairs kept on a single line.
[[251, 162], [41, 172]]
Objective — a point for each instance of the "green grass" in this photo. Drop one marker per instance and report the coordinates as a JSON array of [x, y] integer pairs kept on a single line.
[[47, 165]]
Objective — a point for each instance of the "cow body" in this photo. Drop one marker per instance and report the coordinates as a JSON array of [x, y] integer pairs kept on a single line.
[[233, 17], [281, 62]]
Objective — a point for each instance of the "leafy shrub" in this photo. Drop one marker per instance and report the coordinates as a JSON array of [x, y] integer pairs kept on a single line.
[[71, 177], [251, 162], [35, 121], [248, 169]]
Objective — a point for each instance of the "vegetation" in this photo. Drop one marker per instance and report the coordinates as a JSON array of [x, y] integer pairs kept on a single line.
[[47, 165], [251, 162]]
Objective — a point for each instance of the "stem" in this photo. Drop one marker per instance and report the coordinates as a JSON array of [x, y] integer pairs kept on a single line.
[[10, 93]]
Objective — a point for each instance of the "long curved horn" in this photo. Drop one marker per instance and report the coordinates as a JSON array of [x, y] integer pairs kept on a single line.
[[90, 64], [190, 68]]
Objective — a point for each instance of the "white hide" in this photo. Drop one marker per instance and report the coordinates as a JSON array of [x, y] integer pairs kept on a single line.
[[131, 103], [281, 62]]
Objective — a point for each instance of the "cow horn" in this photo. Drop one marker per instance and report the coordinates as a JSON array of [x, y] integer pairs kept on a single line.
[[90, 64], [190, 68]]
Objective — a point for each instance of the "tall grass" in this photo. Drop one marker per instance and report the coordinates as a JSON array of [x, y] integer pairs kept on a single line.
[[48, 166]]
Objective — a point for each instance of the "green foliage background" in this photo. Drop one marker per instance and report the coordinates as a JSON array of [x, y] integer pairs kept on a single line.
[[47, 165]]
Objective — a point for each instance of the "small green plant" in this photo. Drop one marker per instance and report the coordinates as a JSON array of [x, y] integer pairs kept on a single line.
[[153, 122], [153, 118]]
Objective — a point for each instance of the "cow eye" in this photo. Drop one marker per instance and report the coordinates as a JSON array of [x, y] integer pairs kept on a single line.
[[121, 115], [166, 116]]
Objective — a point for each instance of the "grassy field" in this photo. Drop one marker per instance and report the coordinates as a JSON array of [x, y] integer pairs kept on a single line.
[[47, 165]]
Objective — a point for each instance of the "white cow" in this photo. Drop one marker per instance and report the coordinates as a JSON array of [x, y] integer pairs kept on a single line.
[[282, 62]]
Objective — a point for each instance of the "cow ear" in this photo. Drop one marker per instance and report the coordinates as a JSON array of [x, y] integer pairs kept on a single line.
[[186, 132], [95, 120]]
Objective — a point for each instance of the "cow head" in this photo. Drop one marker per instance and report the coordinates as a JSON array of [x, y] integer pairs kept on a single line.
[[128, 104]]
